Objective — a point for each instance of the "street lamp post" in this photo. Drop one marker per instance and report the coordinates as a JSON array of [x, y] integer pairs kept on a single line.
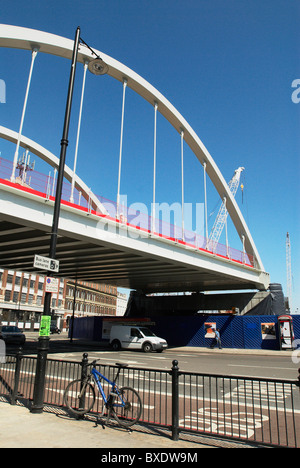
[[43, 344], [97, 67]]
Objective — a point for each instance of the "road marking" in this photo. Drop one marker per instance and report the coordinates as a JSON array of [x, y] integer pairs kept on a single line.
[[226, 424], [261, 367], [75, 394], [192, 355]]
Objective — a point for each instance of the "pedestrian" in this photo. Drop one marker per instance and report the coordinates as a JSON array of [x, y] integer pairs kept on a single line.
[[217, 339]]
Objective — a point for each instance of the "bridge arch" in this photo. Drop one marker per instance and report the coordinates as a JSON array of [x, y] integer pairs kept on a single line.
[[29, 39], [53, 161]]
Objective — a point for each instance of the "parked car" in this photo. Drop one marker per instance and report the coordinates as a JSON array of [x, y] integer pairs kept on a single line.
[[12, 334]]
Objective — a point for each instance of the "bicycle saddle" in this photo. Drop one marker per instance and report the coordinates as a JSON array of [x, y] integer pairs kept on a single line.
[[121, 364]]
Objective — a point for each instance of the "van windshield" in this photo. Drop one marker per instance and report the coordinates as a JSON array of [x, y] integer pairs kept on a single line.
[[147, 332]]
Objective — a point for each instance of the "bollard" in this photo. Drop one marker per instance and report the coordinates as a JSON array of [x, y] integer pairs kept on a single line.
[[175, 400], [17, 377], [40, 375]]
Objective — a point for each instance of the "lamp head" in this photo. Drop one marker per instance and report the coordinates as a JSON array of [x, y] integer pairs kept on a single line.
[[98, 67]]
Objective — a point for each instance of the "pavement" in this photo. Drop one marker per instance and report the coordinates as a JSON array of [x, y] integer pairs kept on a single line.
[[22, 429], [256, 352], [54, 428]]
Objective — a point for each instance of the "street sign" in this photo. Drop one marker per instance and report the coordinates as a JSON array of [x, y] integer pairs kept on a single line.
[[45, 263], [51, 284]]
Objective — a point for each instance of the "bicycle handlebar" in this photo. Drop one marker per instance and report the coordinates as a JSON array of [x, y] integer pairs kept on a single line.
[[118, 364], [94, 362]]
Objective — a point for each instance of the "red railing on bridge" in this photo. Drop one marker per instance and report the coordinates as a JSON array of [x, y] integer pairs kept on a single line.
[[45, 186]]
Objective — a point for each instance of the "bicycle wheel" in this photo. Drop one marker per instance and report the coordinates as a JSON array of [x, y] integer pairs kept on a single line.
[[79, 398], [127, 407]]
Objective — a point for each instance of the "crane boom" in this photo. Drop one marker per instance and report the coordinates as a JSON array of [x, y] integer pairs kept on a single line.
[[223, 213], [288, 270]]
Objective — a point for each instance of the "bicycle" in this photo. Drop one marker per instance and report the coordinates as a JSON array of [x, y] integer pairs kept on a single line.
[[124, 404]]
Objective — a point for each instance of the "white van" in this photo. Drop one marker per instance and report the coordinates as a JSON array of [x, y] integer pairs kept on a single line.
[[135, 337]]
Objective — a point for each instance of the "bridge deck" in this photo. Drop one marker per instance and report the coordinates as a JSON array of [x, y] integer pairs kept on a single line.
[[98, 248]]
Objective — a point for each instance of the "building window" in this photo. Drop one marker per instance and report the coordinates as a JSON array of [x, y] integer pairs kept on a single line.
[[7, 295], [15, 296], [9, 279], [23, 297], [39, 300], [17, 280]]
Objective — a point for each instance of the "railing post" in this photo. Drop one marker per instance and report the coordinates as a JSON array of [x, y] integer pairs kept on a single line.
[[175, 400], [84, 371], [84, 366], [17, 377]]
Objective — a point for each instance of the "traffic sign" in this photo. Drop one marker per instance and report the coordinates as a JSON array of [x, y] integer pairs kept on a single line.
[[45, 263], [51, 284]]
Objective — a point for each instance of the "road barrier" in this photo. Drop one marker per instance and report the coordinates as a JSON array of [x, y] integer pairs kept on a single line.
[[253, 410]]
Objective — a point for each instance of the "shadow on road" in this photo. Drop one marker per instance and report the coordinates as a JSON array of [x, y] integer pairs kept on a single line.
[[57, 344]]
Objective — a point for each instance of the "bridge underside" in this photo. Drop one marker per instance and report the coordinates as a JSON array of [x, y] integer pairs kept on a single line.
[[99, 263]]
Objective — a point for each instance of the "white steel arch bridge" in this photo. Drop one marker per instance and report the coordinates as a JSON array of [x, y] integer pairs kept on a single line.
[[95, 243]]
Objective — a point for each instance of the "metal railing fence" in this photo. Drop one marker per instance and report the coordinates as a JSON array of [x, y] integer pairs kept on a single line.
[[253, 410], [44, 185]]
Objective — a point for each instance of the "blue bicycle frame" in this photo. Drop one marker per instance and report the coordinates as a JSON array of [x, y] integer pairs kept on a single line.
[[97, 375]]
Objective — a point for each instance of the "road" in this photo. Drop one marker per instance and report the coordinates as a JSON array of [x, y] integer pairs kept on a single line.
[[254, 363], [212, 362]]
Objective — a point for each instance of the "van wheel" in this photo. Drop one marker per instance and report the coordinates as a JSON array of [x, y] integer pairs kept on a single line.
[[116, 345], [147, 347]]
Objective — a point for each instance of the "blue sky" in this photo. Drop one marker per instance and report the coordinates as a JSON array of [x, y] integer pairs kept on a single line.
[[227, 66]]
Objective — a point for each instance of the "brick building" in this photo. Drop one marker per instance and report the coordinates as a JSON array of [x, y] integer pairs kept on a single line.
[[22, 299]]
